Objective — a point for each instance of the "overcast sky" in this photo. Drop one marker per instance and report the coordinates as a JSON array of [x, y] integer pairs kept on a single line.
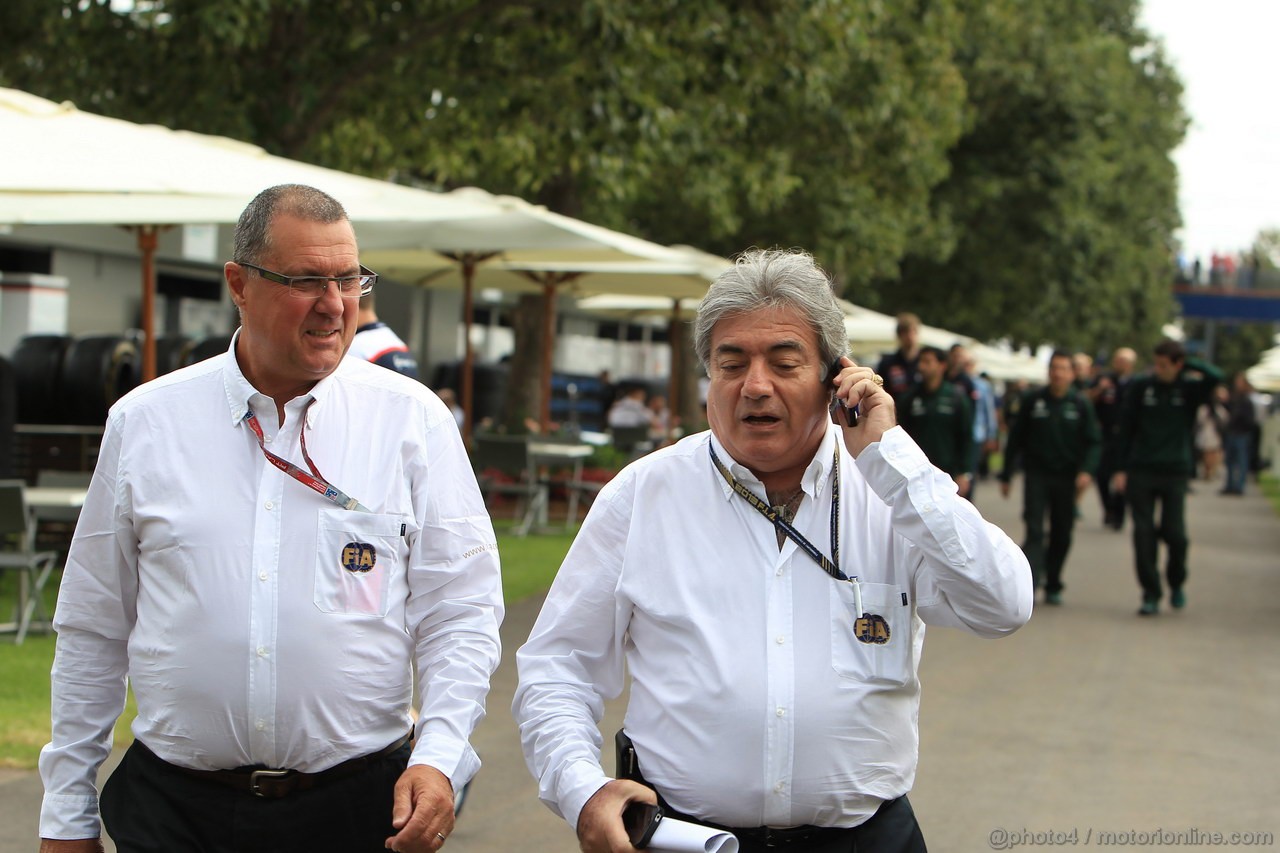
[[1230, 162]]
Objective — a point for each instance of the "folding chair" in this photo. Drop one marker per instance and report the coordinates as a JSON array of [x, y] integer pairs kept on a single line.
[[503, 467], [33, 567]]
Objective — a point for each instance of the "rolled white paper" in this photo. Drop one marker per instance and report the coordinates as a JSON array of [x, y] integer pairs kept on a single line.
[[680, 836]]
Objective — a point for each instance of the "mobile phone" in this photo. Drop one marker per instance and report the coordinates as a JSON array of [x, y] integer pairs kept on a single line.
[[641, 819], [838, 405]]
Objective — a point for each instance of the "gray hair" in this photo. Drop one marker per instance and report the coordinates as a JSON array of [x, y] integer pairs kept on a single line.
[[252, 239], [773, 278]]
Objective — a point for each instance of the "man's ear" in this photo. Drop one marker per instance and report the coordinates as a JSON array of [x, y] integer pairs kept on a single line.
[[234, 274]]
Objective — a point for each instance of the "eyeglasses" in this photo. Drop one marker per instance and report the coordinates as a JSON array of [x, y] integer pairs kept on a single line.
[[315, 286]]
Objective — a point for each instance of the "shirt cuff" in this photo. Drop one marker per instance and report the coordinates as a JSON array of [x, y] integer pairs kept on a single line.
[[887, 463], [578, 784], [67, 817]]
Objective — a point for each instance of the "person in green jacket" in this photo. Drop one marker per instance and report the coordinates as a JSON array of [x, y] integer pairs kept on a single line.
[[1157, 427], [1057, 440], [939, 417]]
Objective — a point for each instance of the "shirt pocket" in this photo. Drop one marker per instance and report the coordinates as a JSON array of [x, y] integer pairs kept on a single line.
[[874, 647], [356, 555]]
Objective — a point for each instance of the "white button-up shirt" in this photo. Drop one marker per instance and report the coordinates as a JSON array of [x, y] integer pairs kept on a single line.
[[752, 703], [258, 622]]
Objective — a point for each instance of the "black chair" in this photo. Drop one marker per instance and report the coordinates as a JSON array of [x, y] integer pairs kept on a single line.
[[33, 568]]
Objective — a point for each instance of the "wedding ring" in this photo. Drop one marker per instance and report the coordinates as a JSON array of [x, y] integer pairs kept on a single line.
[[878, 379], [441, 836]]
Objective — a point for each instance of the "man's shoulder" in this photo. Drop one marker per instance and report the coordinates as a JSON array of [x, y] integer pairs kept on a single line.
[[181, 382]]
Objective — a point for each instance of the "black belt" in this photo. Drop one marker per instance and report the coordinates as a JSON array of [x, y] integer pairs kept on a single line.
[[274, 784], [782, 837]]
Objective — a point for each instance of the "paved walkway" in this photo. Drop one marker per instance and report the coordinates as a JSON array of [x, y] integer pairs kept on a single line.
[[1090, 720]]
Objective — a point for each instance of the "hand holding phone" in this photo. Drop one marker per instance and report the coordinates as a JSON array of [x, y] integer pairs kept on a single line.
[[641, 819], [841, 414]]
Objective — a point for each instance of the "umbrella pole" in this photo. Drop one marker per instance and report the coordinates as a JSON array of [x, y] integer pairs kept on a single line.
[[677, 358], [548, 341], [148, 239], [468, 358]]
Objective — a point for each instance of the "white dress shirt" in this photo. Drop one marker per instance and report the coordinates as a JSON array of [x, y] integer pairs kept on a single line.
[[258, 622], [751, 702]]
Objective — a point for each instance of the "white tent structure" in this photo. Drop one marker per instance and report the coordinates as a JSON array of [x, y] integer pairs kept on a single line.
[[871, 334]]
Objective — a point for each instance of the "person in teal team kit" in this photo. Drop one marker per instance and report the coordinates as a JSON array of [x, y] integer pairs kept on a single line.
[[939, 416], [1057, 440], [1157, 424]]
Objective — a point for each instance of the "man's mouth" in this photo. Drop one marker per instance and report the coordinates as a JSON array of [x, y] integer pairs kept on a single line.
[[760, 420], [322, 333]]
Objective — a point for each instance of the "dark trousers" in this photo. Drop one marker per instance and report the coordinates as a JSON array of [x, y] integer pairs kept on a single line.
[[1112, 501], [1054, 496], [892, 829], [1170, 491], [1238, 464], [149, 805]]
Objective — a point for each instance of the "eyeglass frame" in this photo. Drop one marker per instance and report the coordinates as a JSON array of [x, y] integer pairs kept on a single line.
[[366, 287]]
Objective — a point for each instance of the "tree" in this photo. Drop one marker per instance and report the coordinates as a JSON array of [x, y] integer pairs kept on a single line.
[[1057, 217]]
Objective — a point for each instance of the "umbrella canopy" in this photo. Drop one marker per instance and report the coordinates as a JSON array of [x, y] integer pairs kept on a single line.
[[59, 165], [62, 166], [529, 249]]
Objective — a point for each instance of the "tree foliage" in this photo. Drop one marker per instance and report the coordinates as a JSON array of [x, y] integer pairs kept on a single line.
[[999, 166]]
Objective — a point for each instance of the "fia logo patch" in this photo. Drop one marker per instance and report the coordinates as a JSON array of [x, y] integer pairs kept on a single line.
[[359, 557], [871, 628]]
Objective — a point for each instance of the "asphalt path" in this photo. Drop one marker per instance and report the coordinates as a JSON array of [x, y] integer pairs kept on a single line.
[[1090, 727]]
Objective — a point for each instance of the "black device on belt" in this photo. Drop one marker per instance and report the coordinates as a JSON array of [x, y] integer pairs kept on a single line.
[[273, 784]]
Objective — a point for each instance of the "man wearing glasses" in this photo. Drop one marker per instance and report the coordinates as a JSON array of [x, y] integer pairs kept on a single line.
[[274, 540]]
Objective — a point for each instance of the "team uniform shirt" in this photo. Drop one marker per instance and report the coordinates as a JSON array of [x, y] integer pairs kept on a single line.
[[898, 372], [1053, 435], [258, 622], [941, 422], [376, 342], [1157, 421], [752, 703]]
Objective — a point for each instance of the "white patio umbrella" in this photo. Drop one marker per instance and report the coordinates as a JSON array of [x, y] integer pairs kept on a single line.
[[591, 260], [59, 165]]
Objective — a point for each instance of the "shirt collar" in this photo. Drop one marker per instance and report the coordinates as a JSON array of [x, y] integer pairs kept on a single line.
[[240, 392], [816, 475]]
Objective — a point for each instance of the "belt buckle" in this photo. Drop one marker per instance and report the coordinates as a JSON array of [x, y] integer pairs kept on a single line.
[[270, 774]]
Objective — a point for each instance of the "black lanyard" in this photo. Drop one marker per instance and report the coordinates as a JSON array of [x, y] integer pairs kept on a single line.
[[830, 566]]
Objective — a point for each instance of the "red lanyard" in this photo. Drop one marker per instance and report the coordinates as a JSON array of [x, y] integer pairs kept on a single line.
[[315, 480]]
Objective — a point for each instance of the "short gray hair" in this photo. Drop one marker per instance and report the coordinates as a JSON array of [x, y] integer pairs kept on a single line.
[[773, 278], [252, 239]]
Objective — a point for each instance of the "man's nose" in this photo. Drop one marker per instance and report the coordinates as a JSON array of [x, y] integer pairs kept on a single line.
[[331, 301], [757, 382]]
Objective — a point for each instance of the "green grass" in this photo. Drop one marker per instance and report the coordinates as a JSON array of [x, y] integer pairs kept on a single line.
[[1270, 485], [528, 566]]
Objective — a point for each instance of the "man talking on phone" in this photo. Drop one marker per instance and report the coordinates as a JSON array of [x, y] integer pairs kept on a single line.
[[766, 584]]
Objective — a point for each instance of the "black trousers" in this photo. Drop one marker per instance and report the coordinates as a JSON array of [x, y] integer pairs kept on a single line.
[[149, 806], [892, 829], [1053, 495]]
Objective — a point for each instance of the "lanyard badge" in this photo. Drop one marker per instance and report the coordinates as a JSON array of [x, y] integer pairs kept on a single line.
[[867, 627], [314, 480]]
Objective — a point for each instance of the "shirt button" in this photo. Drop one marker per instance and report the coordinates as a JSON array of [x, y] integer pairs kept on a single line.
[[779, 572], [778, 787], [262, 651], [269, 505], [262, 576], [927, 508], [261, 725], [781, 712], [780, 639]]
